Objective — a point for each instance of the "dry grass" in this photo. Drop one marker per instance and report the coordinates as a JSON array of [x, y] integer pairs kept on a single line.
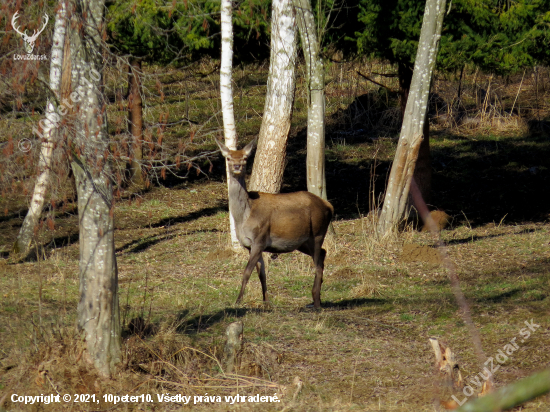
[[368, 348]]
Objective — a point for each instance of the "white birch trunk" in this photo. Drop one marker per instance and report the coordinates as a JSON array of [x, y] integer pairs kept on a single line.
[[226, 93], [269, 163], [48, 136], [413, 122], [315, 161], [98, 309]]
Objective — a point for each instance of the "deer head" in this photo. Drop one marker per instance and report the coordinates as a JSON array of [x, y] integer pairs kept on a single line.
[[236, 159], [29, 40]]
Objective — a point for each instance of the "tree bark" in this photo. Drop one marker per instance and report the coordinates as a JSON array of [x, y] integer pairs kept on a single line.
[[48, 136], [135, 119], [98, 309], [512, 395], [411, 136], [226, 94], [404, 74], [269, 163], [315, 161], [423, 169]]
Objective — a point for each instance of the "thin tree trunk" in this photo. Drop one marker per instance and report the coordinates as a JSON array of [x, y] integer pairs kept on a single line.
[[423, 169], [226, 93], [512, 395], [404, 74], [48, 137], [269, 163], [135, 119], [98, 309], [414, 120], [459, 92], [315, 161]]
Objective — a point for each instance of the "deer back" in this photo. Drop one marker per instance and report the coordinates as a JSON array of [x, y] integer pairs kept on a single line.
[[288, 220]]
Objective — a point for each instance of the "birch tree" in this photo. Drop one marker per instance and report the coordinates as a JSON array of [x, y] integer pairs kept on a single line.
[[269, 163], [98, 309], [315, 161], [226, 93], [48, 136], [411, 135]]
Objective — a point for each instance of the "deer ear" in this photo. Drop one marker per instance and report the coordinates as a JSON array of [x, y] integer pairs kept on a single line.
[[249, 147], [223, 148]]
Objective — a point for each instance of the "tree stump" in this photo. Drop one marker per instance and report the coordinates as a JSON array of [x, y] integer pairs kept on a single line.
[[233, 346]]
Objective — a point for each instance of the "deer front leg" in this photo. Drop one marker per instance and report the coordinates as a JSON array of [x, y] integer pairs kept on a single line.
[[255, 255], [260, 267]]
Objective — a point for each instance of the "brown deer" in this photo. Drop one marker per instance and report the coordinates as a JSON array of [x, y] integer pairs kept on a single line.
[[276, 223]]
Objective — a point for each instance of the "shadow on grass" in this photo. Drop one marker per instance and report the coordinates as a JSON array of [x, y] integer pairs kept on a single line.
[[191, 326], [485, 177], [500, 297], [139, 245], [202, 322], [352, 303], [474, 238], [57, 242], [207, 211], [489, 179]]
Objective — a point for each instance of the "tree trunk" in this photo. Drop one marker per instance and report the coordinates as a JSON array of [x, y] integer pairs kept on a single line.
[[135, 119], [98, 310], [226, 93], [512, 395], [405, 74], [269, 164], [423, 169], [459, 92], [315, 161], [48, 137], [414, 120]]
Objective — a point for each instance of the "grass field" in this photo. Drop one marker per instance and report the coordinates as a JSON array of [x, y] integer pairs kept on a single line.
[[367, 349]]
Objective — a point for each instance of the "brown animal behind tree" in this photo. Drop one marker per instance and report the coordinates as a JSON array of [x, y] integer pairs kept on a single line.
[[276, 223]]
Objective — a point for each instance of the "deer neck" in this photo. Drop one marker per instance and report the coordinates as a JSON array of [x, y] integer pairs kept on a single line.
[[239, 201]]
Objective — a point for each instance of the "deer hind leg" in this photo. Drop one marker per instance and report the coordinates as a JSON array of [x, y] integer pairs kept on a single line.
[[255, 255], [260, 267], [319, 260], [313, 248]]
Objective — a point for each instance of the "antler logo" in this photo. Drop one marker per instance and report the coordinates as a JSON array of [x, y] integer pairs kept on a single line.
[[29, 40]]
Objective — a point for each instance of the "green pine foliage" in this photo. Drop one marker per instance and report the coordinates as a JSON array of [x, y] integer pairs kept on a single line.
[[141, 29], [541, 37], [391, 29], [500, 37], [162, 32]]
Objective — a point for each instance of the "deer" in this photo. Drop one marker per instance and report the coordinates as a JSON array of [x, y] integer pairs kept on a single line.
[[275, 223]]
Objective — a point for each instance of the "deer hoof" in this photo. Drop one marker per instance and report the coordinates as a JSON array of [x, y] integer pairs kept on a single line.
[[312, 306]]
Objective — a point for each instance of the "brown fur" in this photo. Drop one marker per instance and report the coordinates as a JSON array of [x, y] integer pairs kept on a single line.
[[277, 223]]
